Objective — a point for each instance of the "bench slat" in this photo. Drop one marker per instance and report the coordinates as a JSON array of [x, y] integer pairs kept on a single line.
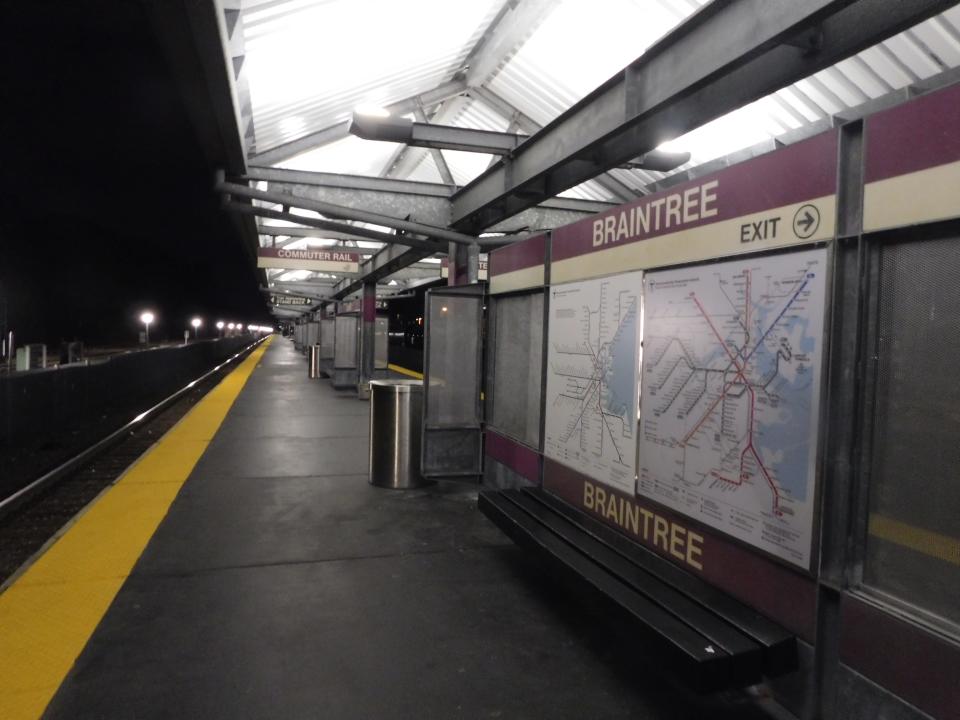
[[778, 644], [745, 650], [705, 665]]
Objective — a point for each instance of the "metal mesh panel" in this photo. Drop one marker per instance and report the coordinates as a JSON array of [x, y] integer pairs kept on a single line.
[[326, 338], [345, 342], [517, 367], [380, 341], [451, 452], [453, 361], [911, 550]]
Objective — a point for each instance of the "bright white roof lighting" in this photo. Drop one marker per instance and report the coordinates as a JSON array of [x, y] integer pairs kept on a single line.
[[372, 110]]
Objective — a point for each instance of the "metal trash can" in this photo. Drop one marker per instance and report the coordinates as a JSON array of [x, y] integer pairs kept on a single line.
[[313, 361], [396, 412]]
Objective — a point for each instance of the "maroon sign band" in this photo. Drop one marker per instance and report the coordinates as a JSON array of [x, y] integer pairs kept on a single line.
[[518, 457], [799, 172], [530, 252], [904, 658], [932, 124], [780, 593]]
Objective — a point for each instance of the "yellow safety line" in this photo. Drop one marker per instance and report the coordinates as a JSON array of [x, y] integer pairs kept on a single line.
[[404, 371], [942, 547], [49, 612], [411, 373]]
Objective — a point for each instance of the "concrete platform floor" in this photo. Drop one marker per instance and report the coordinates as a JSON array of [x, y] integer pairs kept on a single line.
[[282, 585]]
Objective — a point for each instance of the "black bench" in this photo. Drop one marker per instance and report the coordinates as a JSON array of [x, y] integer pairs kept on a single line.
[[704, 636]]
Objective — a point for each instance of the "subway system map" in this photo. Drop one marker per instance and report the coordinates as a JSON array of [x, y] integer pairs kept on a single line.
[[730, 394], [593, 360]]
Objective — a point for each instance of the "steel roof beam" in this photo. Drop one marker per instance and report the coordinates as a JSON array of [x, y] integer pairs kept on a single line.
[[364, 233], [354, 182], [528, 125], [306, 232], [427, 202], [424, 134], [386, 262], [406, 161], [432, 210], [339, 131], [345, 213], [516, 22], [438, 159], [726, 55], [451, 137]]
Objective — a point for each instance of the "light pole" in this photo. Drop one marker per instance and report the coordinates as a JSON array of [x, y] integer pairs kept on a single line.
[[147, 318], [230, 327], [220, 328], [196, 322]]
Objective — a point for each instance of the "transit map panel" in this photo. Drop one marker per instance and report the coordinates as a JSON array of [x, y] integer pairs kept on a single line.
[[593, 366], [730, 396]]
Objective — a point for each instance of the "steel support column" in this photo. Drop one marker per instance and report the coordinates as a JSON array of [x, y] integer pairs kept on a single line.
[[368, 319], [473, 264]]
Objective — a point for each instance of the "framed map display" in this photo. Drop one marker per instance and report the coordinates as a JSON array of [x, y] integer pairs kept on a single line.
[[730, 396], [593, 367]]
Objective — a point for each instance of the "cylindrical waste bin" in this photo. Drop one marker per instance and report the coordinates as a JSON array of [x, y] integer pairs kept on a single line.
[[396, 412], [313, 361]]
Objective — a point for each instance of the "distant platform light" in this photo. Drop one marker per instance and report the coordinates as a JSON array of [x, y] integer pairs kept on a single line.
[[146, 318]]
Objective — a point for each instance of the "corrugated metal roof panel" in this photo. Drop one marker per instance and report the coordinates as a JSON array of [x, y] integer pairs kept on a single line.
[[416, 45], [317, 61]]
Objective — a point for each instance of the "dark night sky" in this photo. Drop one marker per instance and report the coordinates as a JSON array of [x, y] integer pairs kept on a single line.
[[106, 205]]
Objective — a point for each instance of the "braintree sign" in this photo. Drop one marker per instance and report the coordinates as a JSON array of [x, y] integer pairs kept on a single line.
[[321, 260]]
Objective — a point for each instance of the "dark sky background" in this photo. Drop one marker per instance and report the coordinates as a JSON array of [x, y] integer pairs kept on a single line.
[[106, 205]]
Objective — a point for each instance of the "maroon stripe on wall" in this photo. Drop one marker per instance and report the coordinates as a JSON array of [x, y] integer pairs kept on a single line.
[[526, 253], [776, 591], [519, 458], [917, 135], [798, 172], [913, 663], [369, 309]]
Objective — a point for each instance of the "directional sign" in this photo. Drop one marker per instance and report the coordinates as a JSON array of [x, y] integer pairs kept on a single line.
[[290, 300], [806, 221], [318, 259]]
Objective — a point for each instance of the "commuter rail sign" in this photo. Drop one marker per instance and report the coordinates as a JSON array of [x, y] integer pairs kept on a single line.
[[316, 259]]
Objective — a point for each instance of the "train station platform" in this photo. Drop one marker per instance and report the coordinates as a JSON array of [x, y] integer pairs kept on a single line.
[[244, 568]]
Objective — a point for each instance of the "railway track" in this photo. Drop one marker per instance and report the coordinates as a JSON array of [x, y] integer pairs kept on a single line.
[[36, 514]]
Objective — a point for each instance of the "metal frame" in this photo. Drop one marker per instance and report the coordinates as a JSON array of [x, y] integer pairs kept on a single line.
[[346, 377], [477, 291], [493, 302], [870, 248], [683, 81]]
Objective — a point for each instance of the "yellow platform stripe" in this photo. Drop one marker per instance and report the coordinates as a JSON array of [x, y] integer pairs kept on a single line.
[[411, 373], [404, 371], [49, 612], [942, 547]]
